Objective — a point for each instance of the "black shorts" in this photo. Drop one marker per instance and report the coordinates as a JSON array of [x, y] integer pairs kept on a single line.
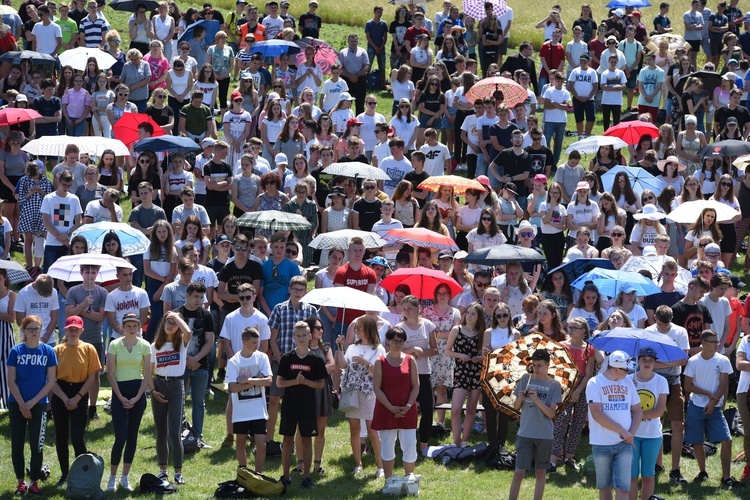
[[250, 427], [216, 213], [307, 423], [695, 45]]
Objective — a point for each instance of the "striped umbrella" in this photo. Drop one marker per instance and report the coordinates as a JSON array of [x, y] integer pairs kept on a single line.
[[475, 8], [512, 92]]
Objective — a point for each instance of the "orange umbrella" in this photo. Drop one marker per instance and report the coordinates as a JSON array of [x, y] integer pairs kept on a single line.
[[458, 183]]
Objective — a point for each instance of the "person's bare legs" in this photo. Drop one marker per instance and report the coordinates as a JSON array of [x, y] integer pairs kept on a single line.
[[441, 397], [647, 488], [700, 456], [241, 450], [726, 458], [273, 414], [286, 455], [388, 468], [260, 452], [471, 412], [354, 429], [605, 494], [459, 395], [677, 436], [515, 485], [541, 481], [320, 441], [307, 453]]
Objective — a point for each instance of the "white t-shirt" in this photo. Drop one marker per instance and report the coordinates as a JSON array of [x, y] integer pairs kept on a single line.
[[590, 317], [46, 37], [582, 214], [420, 338], [435, 156], [121, 303], [169, 361], [331, 91], [616, 77], [205, 275], [62, 212], [100, 213], [381, 152], [720, 313], [249, 404], [649, 393], [29, 302], [396, 170], [616, 398], [556, 96], [583, 80], [638, 313], [367, 130], [558, 217], [470, 127], [404, 129], [235, 323], [744, 383], [706, 374], [680, 337], [273, 26]]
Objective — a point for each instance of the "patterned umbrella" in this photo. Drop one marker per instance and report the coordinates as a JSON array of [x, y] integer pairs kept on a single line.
[[504, 367], [16, 273], [54, 145], [420, 237], [631, 132], [475, 8], [357, 170], [458, 183], [132, 241], [675, 42], [325, 55], [274, 220], [622, 4], [728, 147], [342, 238], [512, 92]]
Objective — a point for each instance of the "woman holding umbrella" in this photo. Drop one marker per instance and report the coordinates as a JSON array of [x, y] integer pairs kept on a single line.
[[121, 105], [13, 162], [622, 190]]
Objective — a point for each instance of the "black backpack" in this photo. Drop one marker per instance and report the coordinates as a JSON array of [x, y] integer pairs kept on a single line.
[[189, 438], [152, 484], [232, 489]]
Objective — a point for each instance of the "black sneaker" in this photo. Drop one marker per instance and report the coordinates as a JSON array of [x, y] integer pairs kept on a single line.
[[552, 469], [220, 374], [285, 481], [676, 477], [656, 497], [61, 482], [308, 483], [570, 463], [731, 482], [659, 469], [702, 476]]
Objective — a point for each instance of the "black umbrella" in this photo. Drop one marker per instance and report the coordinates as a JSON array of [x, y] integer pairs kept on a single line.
[[729, 147], [579, 267], [502, 254], [710, 80], [131, 5], [16, 56]]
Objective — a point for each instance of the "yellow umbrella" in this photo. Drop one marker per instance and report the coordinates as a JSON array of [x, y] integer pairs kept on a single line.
[[675, 42]]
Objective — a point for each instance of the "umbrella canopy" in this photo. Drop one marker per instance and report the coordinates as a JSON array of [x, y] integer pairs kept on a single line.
[[54, 145], [653, 264], [421, 237], [325, 55], [640, 180], [78, 58], [16, 56], [349, 298], [274, 48], [675, 42], [631, 132], [729, 147], [610, 282], [126, 128], [421, 281], [130, 5], [512, 92], [475, 8], [68, 268], [342, 238], [631, 340], [408, 2], [458, 183], [741, 162], [274, 220], [13, 116], [166, 144], [212, 27], [710, 80], [690, 211], [622, 4], [502, 254], [578, 267], [132, 241], [503, 368], [356, 169], [590, 145], [16, 273]]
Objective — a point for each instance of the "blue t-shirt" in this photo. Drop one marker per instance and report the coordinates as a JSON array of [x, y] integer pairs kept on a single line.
[[718, 21], [377, 30], [276, 280], [31, 369]]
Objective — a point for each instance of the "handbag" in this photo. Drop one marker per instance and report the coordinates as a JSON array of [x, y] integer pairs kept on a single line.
[[349, 400]]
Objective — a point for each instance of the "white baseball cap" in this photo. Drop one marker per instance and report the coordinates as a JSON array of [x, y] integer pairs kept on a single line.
[[619, 359]]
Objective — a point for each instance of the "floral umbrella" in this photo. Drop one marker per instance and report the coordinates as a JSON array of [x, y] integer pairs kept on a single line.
[[504, 367], [513, 93], [675, 42], [325, 55]]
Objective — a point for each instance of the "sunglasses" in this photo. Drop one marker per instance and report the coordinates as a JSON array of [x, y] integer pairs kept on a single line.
[[144, 162], [526, 235], [404, 106], [371, 103], [369, 188], [238, 100], [486, 219], [617, 235], [291, 251], [726, 184], [122, 95], [703, 245], [480, 284], [245, 297], [502, 316], [240, 248]]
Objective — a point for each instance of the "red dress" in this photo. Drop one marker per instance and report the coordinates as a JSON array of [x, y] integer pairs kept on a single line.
[[396, 384]]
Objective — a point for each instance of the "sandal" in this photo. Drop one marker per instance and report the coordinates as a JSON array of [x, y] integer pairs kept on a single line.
[[300, 467], [318, 469]]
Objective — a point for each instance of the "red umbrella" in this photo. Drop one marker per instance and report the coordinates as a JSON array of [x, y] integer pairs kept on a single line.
[[513, 93], [325, 55], [421, 281], [12, 116], [421, 237], [632, 131], [126, 128]]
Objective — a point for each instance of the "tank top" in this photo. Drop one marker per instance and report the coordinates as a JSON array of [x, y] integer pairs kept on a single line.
[[179, 84], [162, 27], [396, 384], [4, 302], [500, 338], [743, 198]]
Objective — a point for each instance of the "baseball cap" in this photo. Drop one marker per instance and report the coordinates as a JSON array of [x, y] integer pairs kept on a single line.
[[460, 255], [378, 261], [733, 61], [353, 121], [619, 359], [540, 178], [736, 283], [729, 76], [627, 288], [484, 181], [74, 322], [619, 13], [635, 13], [22, 98], [691, 119], [712, 249], [539, 355], [647, 351], [208, 141], [346, 96], [732, 119], [584, 57], [281, 158], [131, 317], [583, 185], [445, 255], [223, 238], [236, 95], [511, 186]]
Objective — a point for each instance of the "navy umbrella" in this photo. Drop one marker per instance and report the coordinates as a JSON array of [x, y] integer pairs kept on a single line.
[[579, 267], [16, 56], [132, 5], [166, 144], [212, 27], [728, 147]]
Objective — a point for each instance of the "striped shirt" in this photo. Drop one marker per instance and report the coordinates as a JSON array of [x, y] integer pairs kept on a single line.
[[93, 31]]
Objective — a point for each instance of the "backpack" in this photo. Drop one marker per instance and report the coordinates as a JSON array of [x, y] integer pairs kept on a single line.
[[85, 477], [232, 489], [152, 484], [734, 421], [258, 484], [471, 453], [374, 81]]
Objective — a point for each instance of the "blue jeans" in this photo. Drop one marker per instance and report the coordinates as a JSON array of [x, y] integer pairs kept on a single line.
[[700, 114], [198, 384], [51, 254], [558, 131], [75, 130], [613, 463], [482, 165], [141, 105], [380, 57]]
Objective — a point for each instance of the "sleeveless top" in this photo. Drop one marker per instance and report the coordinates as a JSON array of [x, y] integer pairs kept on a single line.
[[339, 219], [690, 147], [396, 384], [179, 84], [4, 302], [743, 198], [499, 338]]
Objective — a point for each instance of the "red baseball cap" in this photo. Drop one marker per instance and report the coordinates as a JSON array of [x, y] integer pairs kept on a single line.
[[74, 322]]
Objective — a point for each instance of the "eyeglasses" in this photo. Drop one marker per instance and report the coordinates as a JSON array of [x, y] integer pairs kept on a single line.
[[617, 235], [571, 327], [122, 94], [371, 103], [480, 284], [33, 329], [291, 251], [397, 342], [245, 297], [144, 162], [240, 248], [91, 173], [369, 188], [502, 315]]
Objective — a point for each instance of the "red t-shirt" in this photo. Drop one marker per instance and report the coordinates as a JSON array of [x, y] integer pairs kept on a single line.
[[596, 48], [358, 280], [738, 311], [553, 54], [412, 32]]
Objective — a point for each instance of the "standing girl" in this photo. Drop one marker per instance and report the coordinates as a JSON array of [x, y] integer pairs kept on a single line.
[[553, 214], [588, 307], [160, 267], [725, 195], [101, 96], [31, 190]]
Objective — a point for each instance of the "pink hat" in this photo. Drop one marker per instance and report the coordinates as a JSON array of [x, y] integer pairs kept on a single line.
[[484, 181], [540, 178]]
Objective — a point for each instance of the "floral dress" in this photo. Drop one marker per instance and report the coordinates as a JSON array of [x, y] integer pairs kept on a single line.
[[442, 365], [466, 373], [357, 377]]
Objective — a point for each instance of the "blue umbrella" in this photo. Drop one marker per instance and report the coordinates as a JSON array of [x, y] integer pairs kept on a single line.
[[631, 340], [274, 48], [578, 267], [166, 144], [132, 241], [622, 4], [212, 27], [640, 180], [16, 56], [609, 282]]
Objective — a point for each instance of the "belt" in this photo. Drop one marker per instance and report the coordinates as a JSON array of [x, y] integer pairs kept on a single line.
[[162, 377]]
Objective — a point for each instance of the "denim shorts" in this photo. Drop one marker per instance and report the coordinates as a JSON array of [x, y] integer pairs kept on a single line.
[[613, 463], [697, 424]]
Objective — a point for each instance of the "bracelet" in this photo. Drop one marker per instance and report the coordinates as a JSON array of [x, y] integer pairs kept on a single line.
[[80, 395]]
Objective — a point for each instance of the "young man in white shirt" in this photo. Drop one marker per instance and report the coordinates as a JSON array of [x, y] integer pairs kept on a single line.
[[437, 156], [470, 135], [125, 299], [556, 100], [61, 214], [718, 306], [613, 82], [104, 209], [396, 166], [583, 84]]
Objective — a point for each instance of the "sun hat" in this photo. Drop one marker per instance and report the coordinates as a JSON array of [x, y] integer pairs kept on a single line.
[[525, 225], [484, 181], [662, 164], [649, 212]]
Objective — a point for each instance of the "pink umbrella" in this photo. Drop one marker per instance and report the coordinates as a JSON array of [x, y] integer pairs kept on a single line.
[[513, 93], [421, 281], [421, 237], [475, 8], [325, 55]]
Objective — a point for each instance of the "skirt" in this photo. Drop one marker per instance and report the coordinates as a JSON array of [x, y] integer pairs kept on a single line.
[[365, 408]]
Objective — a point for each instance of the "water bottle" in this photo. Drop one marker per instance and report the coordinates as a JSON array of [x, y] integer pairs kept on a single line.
[[446, 460]]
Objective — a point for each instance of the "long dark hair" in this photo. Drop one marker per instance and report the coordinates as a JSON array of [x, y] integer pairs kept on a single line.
[[493, 225], [112, 236]]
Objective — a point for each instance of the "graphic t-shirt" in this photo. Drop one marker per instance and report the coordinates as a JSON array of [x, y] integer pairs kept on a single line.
[[200, 321], [359, 280], [693, 318], [31, 369], [534, 423], [62, 211], [249, 404], [649, 393], [29, 302], [121, 303], [616, 398], [170, 361], [300, 399]]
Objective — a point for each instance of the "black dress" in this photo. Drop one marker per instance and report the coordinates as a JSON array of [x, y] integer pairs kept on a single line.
[[466, 374]]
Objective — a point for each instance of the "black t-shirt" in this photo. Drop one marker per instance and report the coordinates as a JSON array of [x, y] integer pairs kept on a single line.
[[200, 322], [416, 179], [503, 137], [540, 158], [161, 116], [46, 108], [300, 399], [740, 112], [398, 30], [322, 181], [216, 266], [218, 172], [369, 213], [588, 27], [432, 102], [310, 24], [155, 182], [29, 26], [515, 165], [360, 158], [662, 299], [234, 277], [694, 319]]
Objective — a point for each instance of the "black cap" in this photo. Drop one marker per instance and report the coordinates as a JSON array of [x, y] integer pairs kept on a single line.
[[337, 191], [539, 355], [130, 317], [736, 283], [445, 255]]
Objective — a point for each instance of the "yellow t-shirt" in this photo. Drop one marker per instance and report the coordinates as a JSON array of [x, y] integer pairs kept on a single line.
[[129, 364], [76, 363]]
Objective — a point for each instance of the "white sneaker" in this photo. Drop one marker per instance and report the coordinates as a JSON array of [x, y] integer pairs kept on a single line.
[[111, 483], [125, 484], [411, 478], [379, 473]]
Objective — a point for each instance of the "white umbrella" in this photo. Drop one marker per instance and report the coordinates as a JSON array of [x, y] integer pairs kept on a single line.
[[358, 170], [78, 58], [590, 145], [55, 145], [345, 297], [342, 237], [741, 162], [688, 212], [68, 268]]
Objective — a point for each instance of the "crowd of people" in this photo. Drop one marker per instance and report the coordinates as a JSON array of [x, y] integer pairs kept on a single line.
[[212, 301]]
